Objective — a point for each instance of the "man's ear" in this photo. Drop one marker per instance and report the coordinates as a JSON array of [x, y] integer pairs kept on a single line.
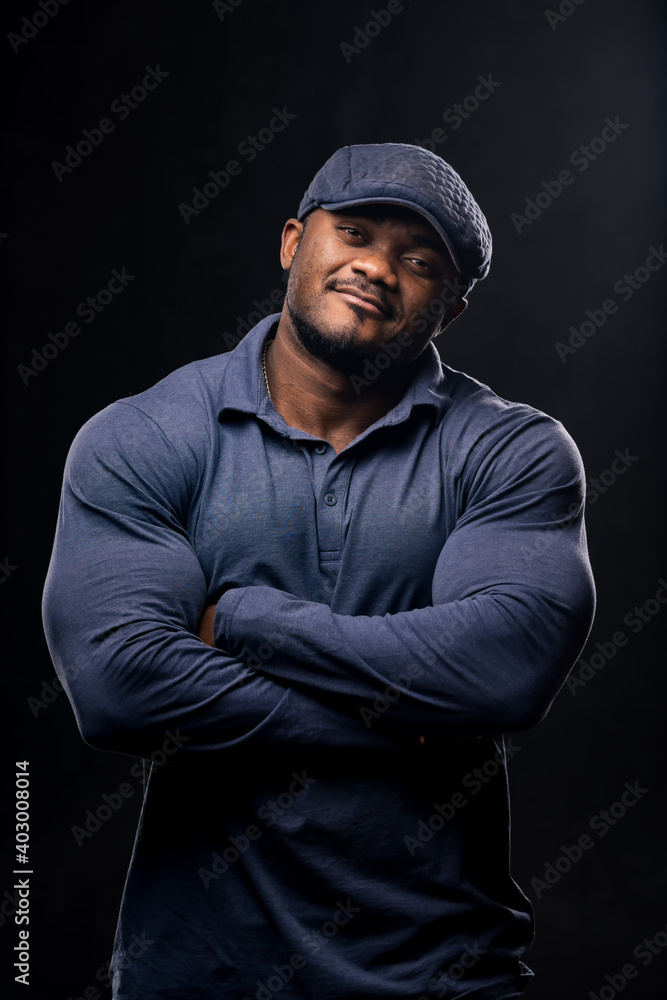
[[289, 242], [452, 313]]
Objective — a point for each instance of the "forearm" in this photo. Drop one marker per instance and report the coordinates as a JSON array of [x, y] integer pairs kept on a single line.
[[122, 603], [512, 606], [467, 668], [145, 678]]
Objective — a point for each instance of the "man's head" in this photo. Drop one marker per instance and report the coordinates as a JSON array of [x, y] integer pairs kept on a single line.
[[390, 241]]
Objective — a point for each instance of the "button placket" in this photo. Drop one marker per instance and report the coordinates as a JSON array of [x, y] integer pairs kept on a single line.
[[330, 510]]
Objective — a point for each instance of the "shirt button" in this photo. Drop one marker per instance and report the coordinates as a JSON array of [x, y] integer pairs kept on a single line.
[[319, 449], [330, 499]]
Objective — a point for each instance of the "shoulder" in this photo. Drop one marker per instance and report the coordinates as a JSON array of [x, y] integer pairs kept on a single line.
[[181, 405], [485, 435], [166, 430], [184, 404]]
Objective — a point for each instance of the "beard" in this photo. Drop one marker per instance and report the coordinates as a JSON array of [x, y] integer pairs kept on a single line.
[[342, 349]]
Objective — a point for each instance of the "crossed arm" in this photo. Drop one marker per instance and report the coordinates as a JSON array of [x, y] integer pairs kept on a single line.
[[513, 600], [489, 656], [122, 602], [125, 615]]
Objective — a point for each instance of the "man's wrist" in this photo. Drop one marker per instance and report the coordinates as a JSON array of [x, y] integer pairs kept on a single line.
[[224, 613]]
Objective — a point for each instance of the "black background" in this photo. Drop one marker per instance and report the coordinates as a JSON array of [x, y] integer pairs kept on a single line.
[[555, 84]]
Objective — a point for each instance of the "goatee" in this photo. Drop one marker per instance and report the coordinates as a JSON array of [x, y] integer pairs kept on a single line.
[[340, 350]]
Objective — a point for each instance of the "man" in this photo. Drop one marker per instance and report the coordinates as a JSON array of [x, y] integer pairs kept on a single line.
[[334, 572]]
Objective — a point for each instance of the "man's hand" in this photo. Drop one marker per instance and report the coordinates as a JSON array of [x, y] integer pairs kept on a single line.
[[205, 630]]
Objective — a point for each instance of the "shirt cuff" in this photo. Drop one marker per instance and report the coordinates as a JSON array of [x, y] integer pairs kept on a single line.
[[250, 622]]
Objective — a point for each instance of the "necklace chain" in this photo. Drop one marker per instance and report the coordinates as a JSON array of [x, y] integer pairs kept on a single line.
[[266, 378]]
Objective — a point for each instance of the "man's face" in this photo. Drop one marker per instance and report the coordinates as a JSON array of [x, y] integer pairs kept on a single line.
[[362, 276]]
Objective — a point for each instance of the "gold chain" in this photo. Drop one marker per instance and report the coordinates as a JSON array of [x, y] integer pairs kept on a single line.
[[266, 378]]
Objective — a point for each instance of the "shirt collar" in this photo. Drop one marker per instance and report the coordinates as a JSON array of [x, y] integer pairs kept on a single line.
[[242, 385]]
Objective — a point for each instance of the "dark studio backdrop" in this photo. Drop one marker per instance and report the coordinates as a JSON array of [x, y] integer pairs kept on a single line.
[[554, 118]]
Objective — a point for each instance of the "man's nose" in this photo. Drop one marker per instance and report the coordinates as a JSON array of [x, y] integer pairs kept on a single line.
[[377, 266]]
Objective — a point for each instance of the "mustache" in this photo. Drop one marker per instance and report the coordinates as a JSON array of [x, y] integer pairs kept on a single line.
[[367, 289]]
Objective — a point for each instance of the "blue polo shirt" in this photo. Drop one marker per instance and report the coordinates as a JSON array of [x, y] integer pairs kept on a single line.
[[327, 811]]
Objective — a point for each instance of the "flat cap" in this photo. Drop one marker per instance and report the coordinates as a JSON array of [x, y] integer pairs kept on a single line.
[[398, 173]]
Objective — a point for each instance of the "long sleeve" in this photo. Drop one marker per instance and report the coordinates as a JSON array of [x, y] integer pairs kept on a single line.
[[512, 597], [122, 601]]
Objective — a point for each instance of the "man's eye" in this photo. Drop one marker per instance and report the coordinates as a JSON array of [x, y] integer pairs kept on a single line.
[[350, 231], [422, 265]]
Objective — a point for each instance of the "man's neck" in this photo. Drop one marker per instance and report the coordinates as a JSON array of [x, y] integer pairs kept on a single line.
[[314, 397]]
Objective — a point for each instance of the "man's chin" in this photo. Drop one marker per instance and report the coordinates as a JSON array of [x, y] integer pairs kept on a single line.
[[341, 348]]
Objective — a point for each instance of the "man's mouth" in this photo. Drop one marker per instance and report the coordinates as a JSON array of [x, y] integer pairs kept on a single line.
[[358, 298]]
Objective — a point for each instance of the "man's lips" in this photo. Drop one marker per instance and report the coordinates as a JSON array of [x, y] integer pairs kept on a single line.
[[369, 302]]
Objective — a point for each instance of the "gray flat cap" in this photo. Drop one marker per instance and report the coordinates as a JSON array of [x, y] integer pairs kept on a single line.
[[398, 173]]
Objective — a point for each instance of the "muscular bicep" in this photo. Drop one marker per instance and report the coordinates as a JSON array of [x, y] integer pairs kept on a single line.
[[122, 602], [512, 605]]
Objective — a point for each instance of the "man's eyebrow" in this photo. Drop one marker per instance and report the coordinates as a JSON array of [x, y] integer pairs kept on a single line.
[[433, 242], [418, 239], [421, 239]]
